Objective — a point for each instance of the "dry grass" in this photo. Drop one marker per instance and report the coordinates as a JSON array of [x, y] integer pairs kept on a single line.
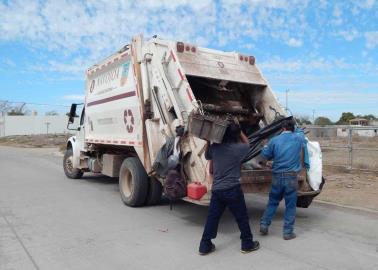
[[36, 141], [354, 188], [358, 187]]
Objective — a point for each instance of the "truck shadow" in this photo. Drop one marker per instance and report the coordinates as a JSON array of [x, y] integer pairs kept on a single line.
[[195, 215], [99, 179]]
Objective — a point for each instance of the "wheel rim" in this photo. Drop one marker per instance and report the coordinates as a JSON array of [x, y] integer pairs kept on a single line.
[[127, 183], [69, 164]]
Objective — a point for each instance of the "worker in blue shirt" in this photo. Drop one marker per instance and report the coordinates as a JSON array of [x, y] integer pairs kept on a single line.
[[285, 151]]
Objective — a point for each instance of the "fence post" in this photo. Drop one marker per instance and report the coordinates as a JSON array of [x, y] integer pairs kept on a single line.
[[350, 148]]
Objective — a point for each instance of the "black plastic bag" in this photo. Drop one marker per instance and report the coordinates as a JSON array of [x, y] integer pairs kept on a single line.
[[255, 139]]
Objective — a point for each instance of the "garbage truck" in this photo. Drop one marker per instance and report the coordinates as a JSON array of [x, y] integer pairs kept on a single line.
[[137, 97]]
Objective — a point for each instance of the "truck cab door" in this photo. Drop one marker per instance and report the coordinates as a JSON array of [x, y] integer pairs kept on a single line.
[[79, 144], [80, 136]]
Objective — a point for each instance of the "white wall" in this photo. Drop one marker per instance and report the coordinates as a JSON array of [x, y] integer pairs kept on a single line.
[[343, 132], [29, 124]]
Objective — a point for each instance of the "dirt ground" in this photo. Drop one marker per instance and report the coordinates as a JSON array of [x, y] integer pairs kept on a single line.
[[355, 188], [36, 141], [358, 188]]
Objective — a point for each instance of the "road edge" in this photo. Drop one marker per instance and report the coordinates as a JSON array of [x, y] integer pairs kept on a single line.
[[346, 206]]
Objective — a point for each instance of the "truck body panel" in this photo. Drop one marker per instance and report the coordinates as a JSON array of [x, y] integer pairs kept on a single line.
[[112, 106]]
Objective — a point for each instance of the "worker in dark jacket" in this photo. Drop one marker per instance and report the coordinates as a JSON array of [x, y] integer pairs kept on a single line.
[[226, 159], [285, 151]]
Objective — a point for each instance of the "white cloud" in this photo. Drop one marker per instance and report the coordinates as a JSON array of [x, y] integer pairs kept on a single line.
[[349, 35], [98, 27], [83, 32], [371, 39], [337, 15], [315, 64], [9, 62], [293, 42], [330, 97], [291, 65], [367, 4], [74, 97], [323, 4]]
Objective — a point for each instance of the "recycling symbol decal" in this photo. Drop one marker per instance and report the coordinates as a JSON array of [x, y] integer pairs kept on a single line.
[[128, 118]]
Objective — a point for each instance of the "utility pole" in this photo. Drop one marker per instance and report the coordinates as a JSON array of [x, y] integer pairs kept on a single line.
[[313, 116], [47, 127], [287, 98]]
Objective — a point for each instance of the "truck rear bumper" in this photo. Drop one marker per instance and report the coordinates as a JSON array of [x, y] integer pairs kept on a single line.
[[259, 182]]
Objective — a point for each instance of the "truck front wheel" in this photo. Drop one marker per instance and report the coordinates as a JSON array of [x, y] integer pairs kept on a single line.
[[69, 170], [133, 182]]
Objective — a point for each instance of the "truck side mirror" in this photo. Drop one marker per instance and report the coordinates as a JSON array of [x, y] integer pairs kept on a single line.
[[72, 114]]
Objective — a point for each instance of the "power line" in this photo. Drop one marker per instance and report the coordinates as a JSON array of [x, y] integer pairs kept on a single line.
[[37, 104]]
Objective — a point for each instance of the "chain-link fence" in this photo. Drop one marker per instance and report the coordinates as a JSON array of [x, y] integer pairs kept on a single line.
[[352, 147]]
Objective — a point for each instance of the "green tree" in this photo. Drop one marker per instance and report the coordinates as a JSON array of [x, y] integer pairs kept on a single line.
[[322, 121], [345, 118], [368, 117], [303, 120]]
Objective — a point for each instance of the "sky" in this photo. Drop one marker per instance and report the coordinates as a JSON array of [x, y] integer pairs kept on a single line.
[[325, 53]]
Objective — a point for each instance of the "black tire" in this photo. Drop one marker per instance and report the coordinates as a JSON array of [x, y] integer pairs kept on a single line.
[[133, 182], [155, 191], [69, 171]]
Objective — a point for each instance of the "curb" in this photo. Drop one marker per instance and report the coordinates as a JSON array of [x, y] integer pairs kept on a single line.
[[347, 206]]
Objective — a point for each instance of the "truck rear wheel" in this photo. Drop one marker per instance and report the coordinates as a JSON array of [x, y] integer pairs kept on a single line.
[[155, 190], [133, 182], [68, 168]]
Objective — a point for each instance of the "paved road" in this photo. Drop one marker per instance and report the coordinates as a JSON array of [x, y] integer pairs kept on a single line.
[[50, 222]]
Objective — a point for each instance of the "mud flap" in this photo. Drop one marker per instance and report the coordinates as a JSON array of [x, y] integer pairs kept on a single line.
[[306, 200]]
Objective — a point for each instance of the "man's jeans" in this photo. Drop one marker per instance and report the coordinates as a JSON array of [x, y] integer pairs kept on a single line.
[[233, 199], [283, 186]]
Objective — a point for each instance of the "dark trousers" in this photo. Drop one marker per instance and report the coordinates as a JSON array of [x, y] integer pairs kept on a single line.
[[233, 199], [283, 186]]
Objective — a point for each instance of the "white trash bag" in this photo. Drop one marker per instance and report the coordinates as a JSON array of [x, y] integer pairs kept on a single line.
[[315, 173], [174, 159]]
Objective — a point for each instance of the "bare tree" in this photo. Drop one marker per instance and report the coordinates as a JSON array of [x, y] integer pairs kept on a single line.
[[4, 107], [18, 110]]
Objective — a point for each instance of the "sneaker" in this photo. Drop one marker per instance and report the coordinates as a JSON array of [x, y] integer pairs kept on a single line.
[[256, 246], [263, 230], [209, 251], [289, 236]]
